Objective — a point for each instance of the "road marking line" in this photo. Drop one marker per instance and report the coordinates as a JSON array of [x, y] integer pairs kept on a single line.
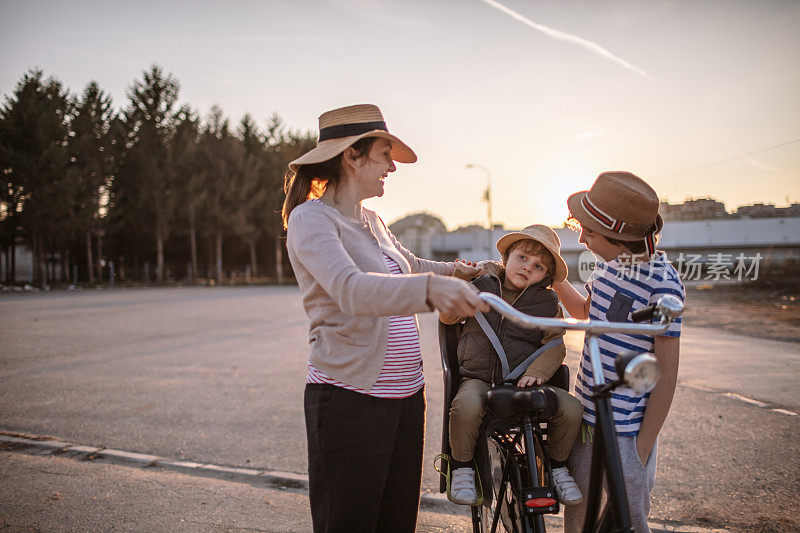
[[276, 480], [741, 398], [700, 388], [745, 399]]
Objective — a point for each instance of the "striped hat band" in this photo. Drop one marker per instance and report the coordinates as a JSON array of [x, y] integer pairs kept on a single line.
[[617, 226]]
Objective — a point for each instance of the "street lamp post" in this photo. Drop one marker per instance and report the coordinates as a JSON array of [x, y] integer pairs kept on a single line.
[[487, 197]]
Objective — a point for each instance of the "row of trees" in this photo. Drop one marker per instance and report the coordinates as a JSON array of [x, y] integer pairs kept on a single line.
[[153, 187]]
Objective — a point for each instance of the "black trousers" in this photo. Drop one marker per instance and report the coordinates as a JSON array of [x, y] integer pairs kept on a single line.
[[364, 459]]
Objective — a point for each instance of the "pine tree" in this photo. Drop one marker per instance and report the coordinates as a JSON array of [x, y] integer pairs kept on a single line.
[[253, 172], [34, 161], [188, 176], [92, 163], [283, 147], [144, 184], [216, 159]]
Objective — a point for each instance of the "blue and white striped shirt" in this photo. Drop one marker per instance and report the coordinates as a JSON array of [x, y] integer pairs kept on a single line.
[[616, 290]]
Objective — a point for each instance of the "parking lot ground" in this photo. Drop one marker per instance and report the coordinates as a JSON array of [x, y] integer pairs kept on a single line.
[[64, 494], [216, 376]]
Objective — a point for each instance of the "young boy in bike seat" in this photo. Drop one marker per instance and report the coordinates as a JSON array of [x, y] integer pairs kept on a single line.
[[619, 223], [531, 263]]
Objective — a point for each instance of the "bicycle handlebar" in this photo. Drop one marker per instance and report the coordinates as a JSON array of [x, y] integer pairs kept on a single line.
[[645, 313], [666, 310]]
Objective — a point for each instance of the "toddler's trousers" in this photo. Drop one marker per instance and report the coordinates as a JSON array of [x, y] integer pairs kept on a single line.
[[469, 407]]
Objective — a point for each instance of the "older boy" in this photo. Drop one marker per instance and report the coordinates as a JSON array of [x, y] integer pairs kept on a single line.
[[619, 222], [531, 263]]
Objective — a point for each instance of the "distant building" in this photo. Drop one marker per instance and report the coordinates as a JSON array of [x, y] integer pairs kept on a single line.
[[469, 229], [470, 243], [416, 231], [775, 240], [709, 209], [23, 265], [768, 210], [699, 209]]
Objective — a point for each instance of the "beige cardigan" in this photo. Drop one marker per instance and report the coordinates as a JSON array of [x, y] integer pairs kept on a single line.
[[348, 293]]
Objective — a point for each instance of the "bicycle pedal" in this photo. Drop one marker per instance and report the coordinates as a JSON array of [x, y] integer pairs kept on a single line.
[[541, 500]]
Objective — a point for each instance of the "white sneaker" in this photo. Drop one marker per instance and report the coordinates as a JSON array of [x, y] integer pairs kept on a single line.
[[462, 487], [567, 489]]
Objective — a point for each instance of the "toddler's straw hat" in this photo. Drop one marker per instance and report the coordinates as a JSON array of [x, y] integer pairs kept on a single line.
[[340, 128], [621, 206], [544, 235]]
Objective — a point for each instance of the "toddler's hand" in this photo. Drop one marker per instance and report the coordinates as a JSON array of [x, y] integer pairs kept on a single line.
[[467, 270], [528, 381]]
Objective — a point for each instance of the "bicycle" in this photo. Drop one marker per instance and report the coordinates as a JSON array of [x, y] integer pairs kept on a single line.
[[510, 456]]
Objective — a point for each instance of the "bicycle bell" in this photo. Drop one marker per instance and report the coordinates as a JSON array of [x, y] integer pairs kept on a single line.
[[669, 306], [639, 371]]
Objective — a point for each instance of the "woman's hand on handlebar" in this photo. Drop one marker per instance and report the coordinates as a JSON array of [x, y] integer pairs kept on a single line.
[[453, 296]]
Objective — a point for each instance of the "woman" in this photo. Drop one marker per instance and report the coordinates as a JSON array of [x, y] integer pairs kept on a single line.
[[364, 400]]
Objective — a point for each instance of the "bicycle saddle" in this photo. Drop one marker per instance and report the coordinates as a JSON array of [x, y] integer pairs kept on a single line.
[[507, 401]]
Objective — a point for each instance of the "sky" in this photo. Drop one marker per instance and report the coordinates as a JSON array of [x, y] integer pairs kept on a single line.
[[699, 98]]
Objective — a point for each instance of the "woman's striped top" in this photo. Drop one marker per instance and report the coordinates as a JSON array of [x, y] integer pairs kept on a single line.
[[401, 375]]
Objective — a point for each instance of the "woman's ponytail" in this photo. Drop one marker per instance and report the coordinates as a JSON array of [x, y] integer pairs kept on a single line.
[[297, 185]]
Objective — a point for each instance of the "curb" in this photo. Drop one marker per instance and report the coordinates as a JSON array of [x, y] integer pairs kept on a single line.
[[271, 479], [430, 501]]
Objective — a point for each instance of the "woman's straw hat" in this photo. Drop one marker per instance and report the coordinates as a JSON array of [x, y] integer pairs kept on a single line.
[[546, 237], [621, 206], [341, 127]]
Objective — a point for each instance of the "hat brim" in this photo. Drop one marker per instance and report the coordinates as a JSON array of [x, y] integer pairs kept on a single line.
[[505, 242], [329, 149], [577, 210]]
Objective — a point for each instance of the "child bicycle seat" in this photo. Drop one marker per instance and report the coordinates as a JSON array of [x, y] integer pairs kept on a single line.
[[508, 401], [448, 348]]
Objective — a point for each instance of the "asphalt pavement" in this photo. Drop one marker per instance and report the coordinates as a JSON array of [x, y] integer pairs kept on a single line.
[[64, 494], [215, 375]]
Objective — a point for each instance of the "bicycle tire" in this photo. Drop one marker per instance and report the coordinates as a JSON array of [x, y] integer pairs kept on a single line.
[[510, 520]]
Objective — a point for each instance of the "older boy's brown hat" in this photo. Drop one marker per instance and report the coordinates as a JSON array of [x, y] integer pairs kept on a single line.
[[543, 235], [340, 128], [621, 206]]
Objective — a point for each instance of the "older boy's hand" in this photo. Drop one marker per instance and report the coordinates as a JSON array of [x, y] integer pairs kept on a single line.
[[491, 267], [643, 450], [467, 270], [529, 381]]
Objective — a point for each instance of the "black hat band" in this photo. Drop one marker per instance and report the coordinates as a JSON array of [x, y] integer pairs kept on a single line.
[[350, 130]]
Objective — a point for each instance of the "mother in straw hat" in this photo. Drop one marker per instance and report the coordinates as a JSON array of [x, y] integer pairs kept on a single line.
[[364, 401]]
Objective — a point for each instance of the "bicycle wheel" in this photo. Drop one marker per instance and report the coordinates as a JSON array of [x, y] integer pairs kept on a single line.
[[510, 519]]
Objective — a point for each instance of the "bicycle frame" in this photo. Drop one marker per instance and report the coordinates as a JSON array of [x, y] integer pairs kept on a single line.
[[605, 453]]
